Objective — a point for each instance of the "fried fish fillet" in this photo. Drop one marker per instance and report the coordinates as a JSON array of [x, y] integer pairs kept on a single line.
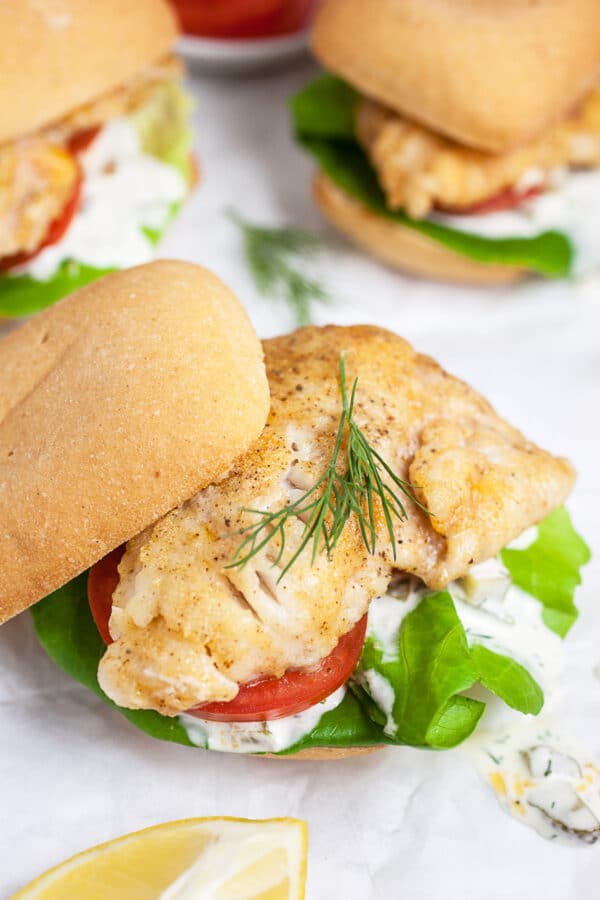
[[420, 170], [38, 174], [37, 177], [189, 630]]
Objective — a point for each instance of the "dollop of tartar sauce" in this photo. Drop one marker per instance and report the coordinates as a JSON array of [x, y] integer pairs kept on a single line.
[[540, 778], [386, 615], [258, 737], [382, 692], [572, 206], [538, 775], [124, 191]]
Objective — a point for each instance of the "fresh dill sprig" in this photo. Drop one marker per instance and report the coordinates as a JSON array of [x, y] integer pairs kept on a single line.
[[326, 508], [269, 253]]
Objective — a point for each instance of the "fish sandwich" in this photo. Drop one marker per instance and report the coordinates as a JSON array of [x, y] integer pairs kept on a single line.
[[334, 549], [95, 142], [459, 139]]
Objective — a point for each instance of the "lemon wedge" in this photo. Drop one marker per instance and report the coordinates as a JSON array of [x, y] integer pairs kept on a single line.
[[193, 859]]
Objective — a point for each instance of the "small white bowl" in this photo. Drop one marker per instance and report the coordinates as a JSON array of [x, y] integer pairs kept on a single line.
[[234, 56]]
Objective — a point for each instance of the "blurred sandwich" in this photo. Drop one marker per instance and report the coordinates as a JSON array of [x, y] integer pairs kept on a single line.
[[459, 139], [95, 142]]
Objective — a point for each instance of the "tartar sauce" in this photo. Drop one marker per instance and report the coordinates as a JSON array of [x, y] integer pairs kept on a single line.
[[538, 774], [124, 191], [572, 207], [258, 737], [540, 778]]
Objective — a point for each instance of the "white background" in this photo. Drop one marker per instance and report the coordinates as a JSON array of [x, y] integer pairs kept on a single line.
[[401, 823]]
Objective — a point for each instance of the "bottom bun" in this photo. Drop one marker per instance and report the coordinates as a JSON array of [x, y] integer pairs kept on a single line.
[[323, 753], [401, 247]]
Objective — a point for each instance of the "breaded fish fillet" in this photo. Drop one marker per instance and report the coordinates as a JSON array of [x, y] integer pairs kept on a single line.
[[420, 170], [37, 177], [189, 630]]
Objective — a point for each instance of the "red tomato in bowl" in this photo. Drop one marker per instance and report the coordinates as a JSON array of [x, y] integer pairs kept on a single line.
[[243, 18], [257, 701]]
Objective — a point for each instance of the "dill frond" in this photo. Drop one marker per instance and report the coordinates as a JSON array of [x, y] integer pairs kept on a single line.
[[270, 254], [367, 482]]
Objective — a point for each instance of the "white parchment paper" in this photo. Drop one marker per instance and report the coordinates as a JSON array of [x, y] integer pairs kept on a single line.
[[400, 823]]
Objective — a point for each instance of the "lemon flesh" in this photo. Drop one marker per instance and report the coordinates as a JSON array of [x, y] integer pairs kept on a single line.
[[194, 859]]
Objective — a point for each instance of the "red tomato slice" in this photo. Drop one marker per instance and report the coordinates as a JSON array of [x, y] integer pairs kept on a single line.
[[275, 698], [257, 701], [55, 231], [58, 227], [82, 140], [102, 582], [243, 18], [508, 199]]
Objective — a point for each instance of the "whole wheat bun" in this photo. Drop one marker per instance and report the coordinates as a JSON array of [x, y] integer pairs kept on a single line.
[[489, 74], [116, 405], [401, 247], [59, 55]]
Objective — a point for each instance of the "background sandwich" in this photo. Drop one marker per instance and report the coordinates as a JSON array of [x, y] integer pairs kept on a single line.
[[460, 140], [337, 581], [95, 143]]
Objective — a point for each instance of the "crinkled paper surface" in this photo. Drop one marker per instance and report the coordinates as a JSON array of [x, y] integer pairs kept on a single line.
[[400, 823]]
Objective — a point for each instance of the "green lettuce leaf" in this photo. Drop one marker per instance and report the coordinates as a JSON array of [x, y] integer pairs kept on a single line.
[[433, 667], [165, 132], [22, 295], [325, 109], [507, 679], [163, 124], [549, 569], [348, 725], [323, 116]]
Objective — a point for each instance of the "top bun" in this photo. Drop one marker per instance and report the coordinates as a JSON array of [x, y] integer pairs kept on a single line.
[[117, 405], [488, 73], [59, 55]]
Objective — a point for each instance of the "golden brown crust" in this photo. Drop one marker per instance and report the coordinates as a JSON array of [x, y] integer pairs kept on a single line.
[[488, 74], [115, 406], [419, 170], [321, 754], [188, 628], [37, 178], [58, 56], [404, 248]]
